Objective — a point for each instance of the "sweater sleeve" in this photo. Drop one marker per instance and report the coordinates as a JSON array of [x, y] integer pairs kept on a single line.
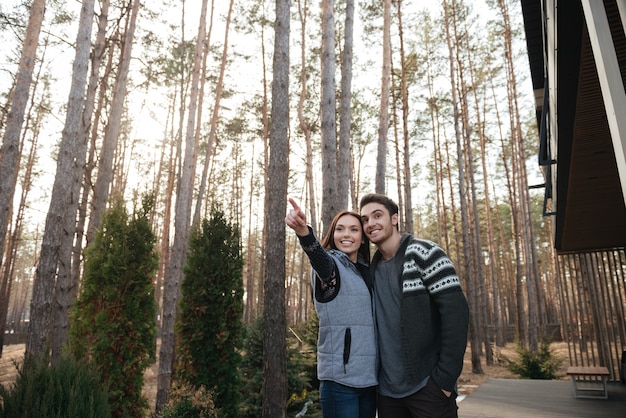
[[443, 285], [321, 261], [454, 328]]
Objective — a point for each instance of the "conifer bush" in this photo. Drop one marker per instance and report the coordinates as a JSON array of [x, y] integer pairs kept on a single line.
[[539, 364], [113, 319], [209, 321], [71, 389], [188, 402], [302, 382]]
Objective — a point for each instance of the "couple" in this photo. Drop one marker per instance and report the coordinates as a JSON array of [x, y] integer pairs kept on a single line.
[[400, 322]]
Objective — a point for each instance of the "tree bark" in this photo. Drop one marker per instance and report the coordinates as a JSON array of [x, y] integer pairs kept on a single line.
[[90, 124], [476, 230], [345, 114], [330, 200], [182, 222], [66, 190], [214, 118], [53, 270], [274, 322], [14, 236], [385, 85], [409, 226], [304, 124], [164, 258], [9, 153], [467, 257], [536, 312], [112, 132]]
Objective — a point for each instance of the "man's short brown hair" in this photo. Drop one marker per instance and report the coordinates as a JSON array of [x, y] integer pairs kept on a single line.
[[389, 204]]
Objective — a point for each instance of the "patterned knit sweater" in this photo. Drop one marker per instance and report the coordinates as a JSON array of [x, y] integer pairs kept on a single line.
[[434, 312]]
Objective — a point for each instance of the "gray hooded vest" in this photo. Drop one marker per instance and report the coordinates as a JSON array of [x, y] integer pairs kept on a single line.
[[346, 349]]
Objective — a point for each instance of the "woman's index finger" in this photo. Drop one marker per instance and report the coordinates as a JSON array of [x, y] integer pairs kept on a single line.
[[294, 204]]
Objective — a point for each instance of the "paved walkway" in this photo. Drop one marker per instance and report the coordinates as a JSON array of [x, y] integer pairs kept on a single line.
[[517, 398]]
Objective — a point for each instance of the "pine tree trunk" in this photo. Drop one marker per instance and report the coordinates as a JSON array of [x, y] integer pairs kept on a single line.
[[88, 115], [467, 243], [9, 153], [250, 265], [54, 267], [265, 121], [71, 160], [385, 85], [327, 108], [492, 253], [112, 132], [406, 148], [165, 251], [438, 160], [14, 235], [274, 322], [345, 115], [507, 279], [182, 222], [215, 115], [304, 124], [396, 149], [536, 313], [479, 270]]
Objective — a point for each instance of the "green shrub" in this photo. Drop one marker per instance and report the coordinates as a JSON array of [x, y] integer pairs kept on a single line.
[[209, 320], [71, 389], [540, 364], [301, 373], [188, 402], [113, 318]]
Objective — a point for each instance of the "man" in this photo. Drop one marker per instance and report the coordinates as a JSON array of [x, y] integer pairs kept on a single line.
[[421, 314]]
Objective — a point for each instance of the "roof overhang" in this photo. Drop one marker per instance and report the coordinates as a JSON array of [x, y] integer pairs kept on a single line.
[[584, 193]]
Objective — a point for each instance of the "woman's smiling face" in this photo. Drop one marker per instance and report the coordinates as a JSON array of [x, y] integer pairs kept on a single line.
[[348, 236]]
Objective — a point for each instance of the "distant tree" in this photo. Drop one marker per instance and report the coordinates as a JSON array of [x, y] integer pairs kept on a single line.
[[209, 323], [92, 111], [173, 275], [467, 271], [10, 150], [15, 242], [214, 116], [112, 131], [471, 82], [112, 322], [526, 233], [9, 153]]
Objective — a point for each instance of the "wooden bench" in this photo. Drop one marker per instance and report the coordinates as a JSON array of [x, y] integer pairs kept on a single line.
[[589, 381]]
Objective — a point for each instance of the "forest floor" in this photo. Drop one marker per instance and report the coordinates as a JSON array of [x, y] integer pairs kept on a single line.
[[468, 381]]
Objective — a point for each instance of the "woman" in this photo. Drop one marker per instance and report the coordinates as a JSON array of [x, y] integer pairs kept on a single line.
[[346, 352]]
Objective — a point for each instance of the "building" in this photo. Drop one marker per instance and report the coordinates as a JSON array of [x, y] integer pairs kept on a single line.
[[577, 57]]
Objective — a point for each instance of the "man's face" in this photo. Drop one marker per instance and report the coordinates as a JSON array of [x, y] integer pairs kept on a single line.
[[378, 225]]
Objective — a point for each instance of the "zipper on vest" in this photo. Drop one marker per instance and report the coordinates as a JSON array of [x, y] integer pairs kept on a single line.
[[347, 341]]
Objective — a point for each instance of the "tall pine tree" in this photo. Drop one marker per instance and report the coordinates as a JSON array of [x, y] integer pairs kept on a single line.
[[209, 325]]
